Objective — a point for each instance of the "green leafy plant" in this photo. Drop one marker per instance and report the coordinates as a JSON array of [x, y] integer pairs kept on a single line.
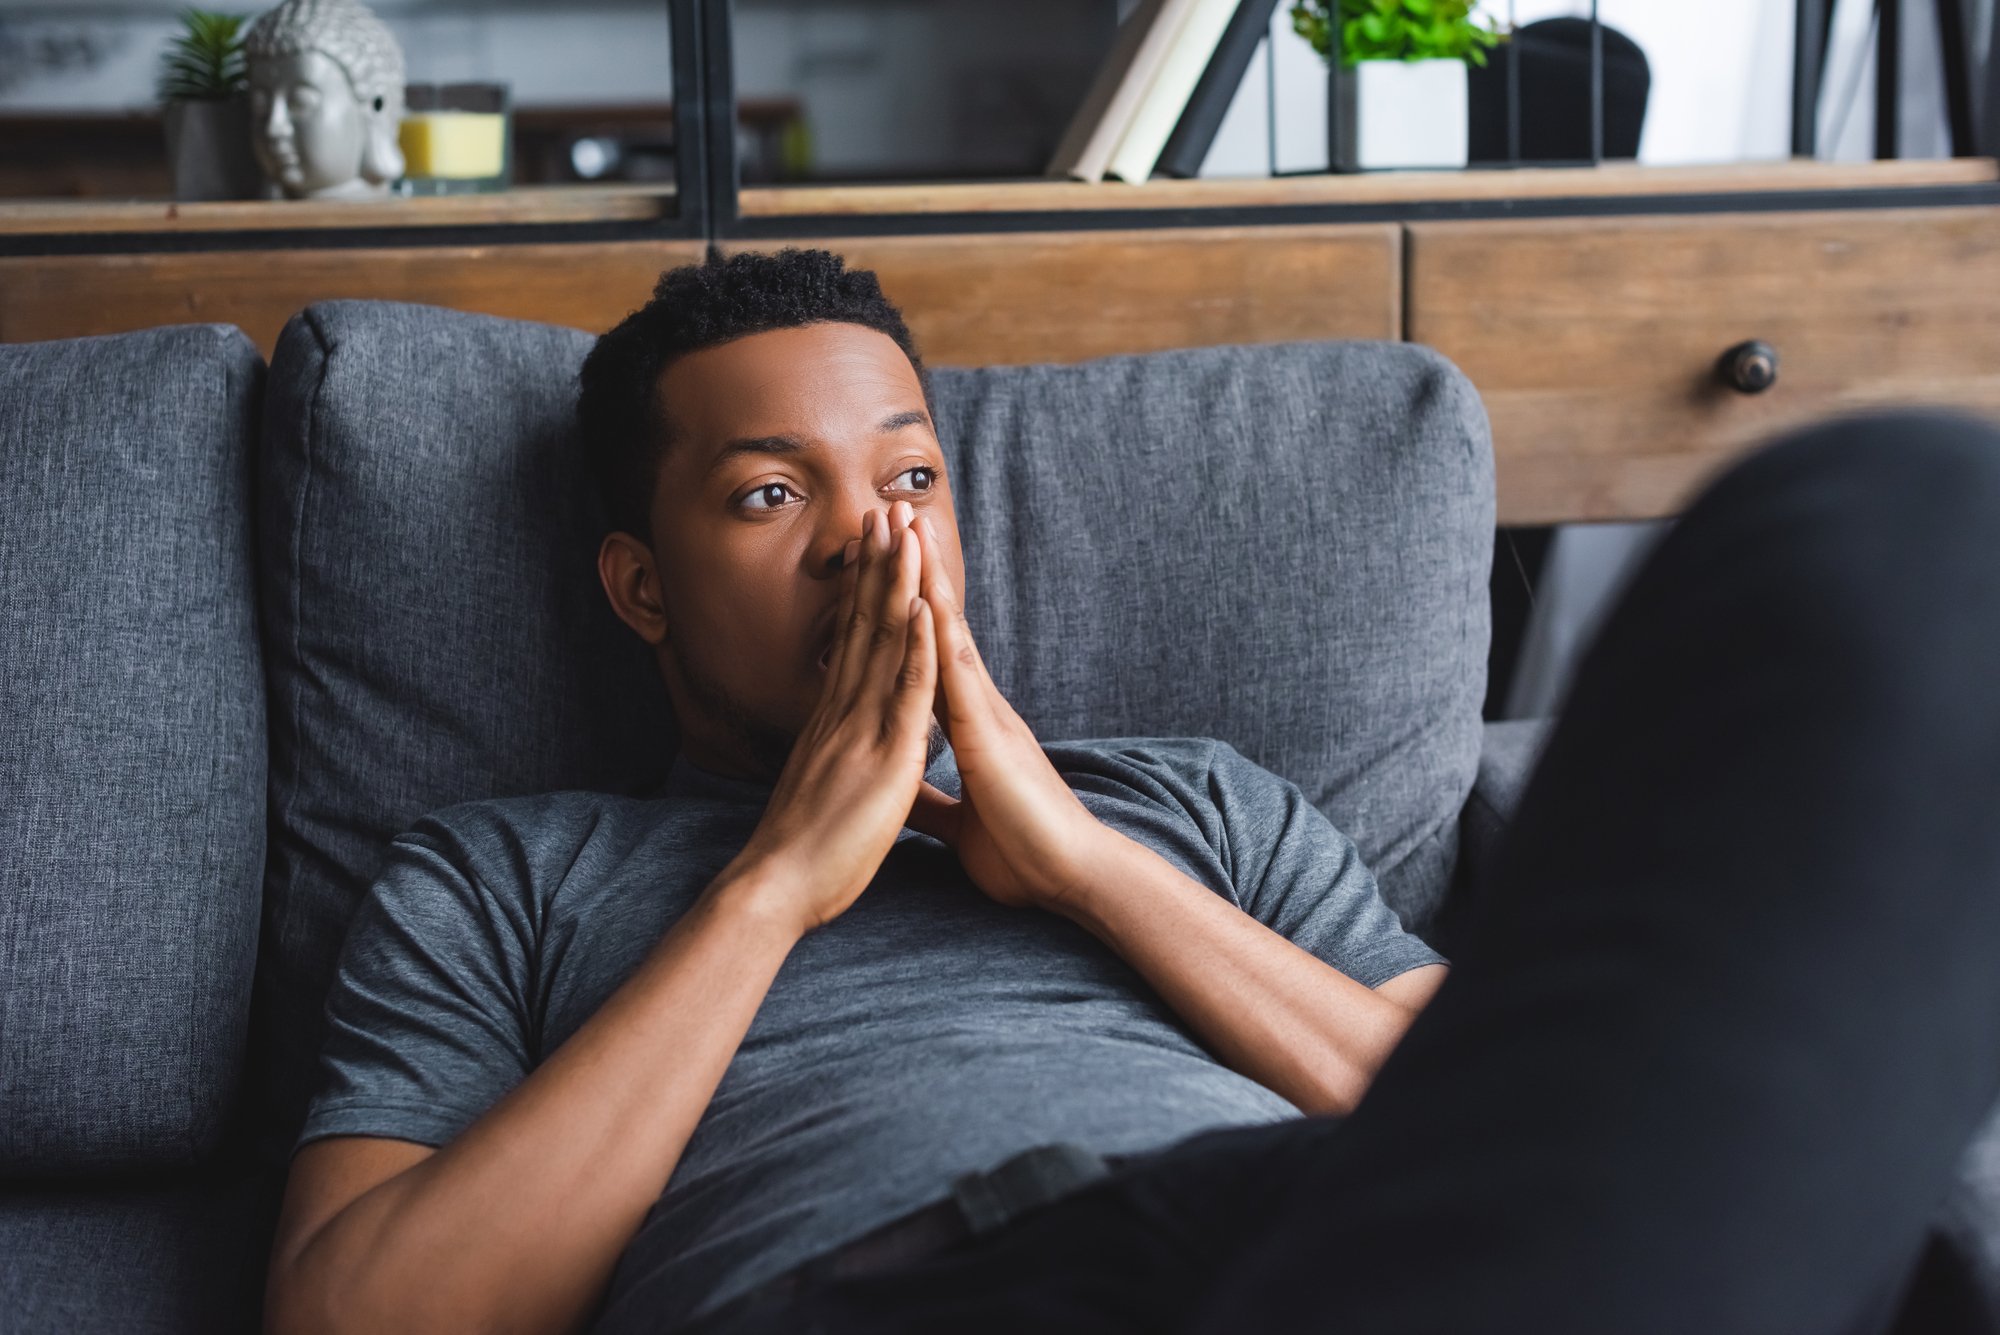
[[1395, 29], [205, 60]]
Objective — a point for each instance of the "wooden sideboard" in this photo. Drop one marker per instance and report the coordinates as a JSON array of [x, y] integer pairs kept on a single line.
[[1590, 307]]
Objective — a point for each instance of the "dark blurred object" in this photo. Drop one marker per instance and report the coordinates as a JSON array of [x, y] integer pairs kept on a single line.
[[635, 141], [208, 149], [81, 155], [1553, 57]]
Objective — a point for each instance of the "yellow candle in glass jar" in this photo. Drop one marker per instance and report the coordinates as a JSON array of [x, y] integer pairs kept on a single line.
[[453, 145]]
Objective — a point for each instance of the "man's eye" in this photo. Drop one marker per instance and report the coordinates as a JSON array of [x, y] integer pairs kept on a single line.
[[764, 492], [930, 476]]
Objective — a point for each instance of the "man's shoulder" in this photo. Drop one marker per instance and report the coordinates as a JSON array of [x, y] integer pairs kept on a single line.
[[517, 837]]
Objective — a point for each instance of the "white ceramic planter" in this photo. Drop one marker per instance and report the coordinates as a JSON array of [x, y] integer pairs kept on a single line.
[[1401, 113]]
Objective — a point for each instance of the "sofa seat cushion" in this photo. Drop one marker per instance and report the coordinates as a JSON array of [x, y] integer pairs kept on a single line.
[[132, 775], [168, 1253]]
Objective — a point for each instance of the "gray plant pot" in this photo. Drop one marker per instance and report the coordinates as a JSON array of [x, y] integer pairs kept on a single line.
[[208, 149]]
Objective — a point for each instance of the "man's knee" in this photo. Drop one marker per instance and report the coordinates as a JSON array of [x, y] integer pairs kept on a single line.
[[1931, 473], [1870, 541]]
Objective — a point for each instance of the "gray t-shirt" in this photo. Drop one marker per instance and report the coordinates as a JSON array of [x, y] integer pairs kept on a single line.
[[925, 1033]]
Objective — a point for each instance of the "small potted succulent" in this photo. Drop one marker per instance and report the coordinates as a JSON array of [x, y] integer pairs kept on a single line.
[[1399, 80], [205, 106]]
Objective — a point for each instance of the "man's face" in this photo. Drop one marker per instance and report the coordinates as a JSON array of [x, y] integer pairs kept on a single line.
[[781, 442]]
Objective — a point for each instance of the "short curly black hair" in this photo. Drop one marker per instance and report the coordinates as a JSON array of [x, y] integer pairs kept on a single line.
[[624, 426]]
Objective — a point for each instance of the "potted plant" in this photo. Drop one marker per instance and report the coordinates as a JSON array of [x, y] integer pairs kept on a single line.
[[205, 106], [1396, 74]]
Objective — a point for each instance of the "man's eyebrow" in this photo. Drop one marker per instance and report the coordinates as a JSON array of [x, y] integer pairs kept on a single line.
[[793, 445]]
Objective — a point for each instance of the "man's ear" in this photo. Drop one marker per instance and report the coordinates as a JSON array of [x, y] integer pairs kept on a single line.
[[631, 578]]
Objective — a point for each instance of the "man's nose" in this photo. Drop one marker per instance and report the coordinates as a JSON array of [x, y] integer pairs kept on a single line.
[[845, 540], [278, 120]]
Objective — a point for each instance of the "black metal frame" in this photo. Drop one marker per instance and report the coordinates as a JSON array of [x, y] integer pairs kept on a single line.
[[1809, 51], [708, 174]]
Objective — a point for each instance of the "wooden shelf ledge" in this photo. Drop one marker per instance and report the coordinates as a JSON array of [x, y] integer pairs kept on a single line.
[[528, 204], [1610, 179]]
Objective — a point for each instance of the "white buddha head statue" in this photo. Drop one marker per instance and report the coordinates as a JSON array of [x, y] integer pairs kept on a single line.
[[326, 99]]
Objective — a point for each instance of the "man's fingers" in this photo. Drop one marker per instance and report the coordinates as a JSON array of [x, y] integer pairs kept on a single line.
[[916, 677], [866, 609], [850, 564], [888, 645], [958, 656]]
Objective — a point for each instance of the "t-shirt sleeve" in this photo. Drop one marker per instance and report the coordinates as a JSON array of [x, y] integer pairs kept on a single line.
[[1296, 873], [425, 1022]]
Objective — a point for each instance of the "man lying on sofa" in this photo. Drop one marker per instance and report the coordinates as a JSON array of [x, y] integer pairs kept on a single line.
[[882, 1014]]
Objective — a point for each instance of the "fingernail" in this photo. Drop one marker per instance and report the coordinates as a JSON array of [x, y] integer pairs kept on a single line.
[[849, 552]]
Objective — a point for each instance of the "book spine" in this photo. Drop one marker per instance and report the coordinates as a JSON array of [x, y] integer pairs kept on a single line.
[[1148, 53], [1172, 85], [1187, 148]]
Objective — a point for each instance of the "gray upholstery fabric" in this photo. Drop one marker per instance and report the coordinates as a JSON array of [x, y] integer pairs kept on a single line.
[[433, 620], [175, 1254], [1281, 546], [132, 775]]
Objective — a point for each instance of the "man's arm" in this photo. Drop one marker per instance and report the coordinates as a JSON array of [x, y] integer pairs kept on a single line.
[[1273, 1011], [517, 1223]]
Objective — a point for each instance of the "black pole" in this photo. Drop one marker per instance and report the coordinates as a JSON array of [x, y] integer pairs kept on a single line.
[[684, 18], [1333, 89], [1808, 67], [1596, 87], [1956, 60], [1513, 88], [719, 117], [1888, 75]]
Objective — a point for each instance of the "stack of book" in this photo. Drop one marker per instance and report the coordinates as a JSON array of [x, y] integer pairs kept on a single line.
[[1171, 75]]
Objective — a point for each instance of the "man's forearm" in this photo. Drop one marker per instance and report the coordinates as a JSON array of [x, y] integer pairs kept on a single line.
[[1268, 1009], [517, 1223]]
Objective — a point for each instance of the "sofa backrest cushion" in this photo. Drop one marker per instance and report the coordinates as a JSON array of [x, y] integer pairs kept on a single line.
[[133, 762], [433, 618], [1283, 546]]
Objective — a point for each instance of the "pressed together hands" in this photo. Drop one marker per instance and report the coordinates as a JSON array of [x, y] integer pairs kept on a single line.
[[855, 777]]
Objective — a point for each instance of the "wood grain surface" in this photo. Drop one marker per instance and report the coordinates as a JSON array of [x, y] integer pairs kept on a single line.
[[1021, 297], [1594, 342], [589, 286]]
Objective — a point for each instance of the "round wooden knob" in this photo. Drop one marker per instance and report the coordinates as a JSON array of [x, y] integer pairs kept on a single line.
[[1751, 367]]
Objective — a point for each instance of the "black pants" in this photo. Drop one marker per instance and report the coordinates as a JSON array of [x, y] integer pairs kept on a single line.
[[1722, 1020]]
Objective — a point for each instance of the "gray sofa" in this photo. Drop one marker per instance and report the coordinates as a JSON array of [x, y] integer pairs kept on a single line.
[[257, 620]]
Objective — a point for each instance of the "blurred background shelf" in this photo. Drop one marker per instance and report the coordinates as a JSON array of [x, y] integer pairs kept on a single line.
[[1727, 185]]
